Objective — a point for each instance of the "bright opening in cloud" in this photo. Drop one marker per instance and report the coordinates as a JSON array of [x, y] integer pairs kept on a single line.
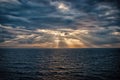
[[63, 7]]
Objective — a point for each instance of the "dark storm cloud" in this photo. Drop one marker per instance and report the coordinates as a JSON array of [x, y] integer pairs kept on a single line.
[[99, 17], [39, 13]]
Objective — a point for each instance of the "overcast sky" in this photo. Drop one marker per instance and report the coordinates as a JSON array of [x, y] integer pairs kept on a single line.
[[60, 23]]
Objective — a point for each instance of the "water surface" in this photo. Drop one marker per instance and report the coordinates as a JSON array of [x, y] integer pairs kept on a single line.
[[59, 64]]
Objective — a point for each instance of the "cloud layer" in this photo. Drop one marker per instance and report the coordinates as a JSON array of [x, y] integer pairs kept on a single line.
[[59, 38], [59, 23]]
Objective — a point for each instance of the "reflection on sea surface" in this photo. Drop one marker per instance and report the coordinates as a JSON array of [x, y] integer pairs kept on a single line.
[[59, 64]]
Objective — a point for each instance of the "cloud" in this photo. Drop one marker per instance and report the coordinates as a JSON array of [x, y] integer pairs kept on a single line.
[[61, 6], [54, 23], [9, 1], [59, 38], [52, 14]]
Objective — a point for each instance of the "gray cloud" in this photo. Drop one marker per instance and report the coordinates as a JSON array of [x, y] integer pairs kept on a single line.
[[100, 19], [64, 37]]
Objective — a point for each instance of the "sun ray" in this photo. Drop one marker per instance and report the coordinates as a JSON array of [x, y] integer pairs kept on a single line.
[[74, 43], [87, 43]]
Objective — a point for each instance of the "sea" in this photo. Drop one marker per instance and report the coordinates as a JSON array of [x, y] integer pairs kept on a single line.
[[59, 64]]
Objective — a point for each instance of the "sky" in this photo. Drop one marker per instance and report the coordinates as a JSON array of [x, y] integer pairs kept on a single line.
[[59, 23]]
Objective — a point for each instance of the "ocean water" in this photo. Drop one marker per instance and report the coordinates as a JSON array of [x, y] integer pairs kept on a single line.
[[59, 64]]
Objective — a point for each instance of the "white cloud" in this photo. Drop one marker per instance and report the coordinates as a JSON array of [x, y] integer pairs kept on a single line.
[[10, 1], [116, 33], [61, 6], [17, 18]]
